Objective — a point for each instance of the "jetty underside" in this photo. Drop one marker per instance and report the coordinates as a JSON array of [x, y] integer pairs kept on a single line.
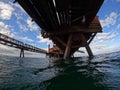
[[70, 24]]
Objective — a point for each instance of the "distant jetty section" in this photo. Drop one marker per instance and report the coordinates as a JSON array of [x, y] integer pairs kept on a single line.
[[11, 42]]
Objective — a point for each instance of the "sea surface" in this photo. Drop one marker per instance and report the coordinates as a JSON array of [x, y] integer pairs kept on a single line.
[[102, 72]]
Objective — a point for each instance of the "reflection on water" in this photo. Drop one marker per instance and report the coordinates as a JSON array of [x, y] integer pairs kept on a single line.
[[98, 73]]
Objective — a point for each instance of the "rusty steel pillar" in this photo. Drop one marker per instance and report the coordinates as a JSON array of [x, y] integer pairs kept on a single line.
[[48, 53], [22, 53], [89, 50], [48, 48], [86, 45], [68, 46]]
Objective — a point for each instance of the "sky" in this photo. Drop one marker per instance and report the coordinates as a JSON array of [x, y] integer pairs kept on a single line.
[[16, 23]]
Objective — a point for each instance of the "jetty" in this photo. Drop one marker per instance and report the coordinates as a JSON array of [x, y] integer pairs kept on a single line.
[[70, 24]]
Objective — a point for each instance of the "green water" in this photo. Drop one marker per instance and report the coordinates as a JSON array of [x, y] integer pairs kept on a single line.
[[101, 72]]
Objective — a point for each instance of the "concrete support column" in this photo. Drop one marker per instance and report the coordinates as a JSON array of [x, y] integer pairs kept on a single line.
[[68, 46], [22, 53]]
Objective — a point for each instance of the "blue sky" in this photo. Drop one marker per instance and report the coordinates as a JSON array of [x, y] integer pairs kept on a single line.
[[16, 23]]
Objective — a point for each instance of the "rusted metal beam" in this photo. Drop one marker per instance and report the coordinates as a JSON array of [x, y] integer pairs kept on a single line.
[[89, 50], [67, 50], [92, 37], [77, 46], [86, 45], [59, 40], [80, 51], [75, 29]]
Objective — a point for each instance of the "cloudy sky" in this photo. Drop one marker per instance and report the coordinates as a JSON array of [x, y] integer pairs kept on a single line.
[[16, 23]]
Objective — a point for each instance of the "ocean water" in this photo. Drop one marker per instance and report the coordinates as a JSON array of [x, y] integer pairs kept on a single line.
[[102, 72]]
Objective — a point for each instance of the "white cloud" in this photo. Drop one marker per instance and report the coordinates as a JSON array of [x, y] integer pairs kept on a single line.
[[26, 22], [6, 10], [17, 6], [106, 36], [43, 40], [23, 38], [99, 46], [22, 26], [19, 12], [31, 25], [117, 0], [102, 42], [3, 47], [109, 20], [6, 50], [26, 25], [102, 39], [118, 26], [5, 29], [106, 49]]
